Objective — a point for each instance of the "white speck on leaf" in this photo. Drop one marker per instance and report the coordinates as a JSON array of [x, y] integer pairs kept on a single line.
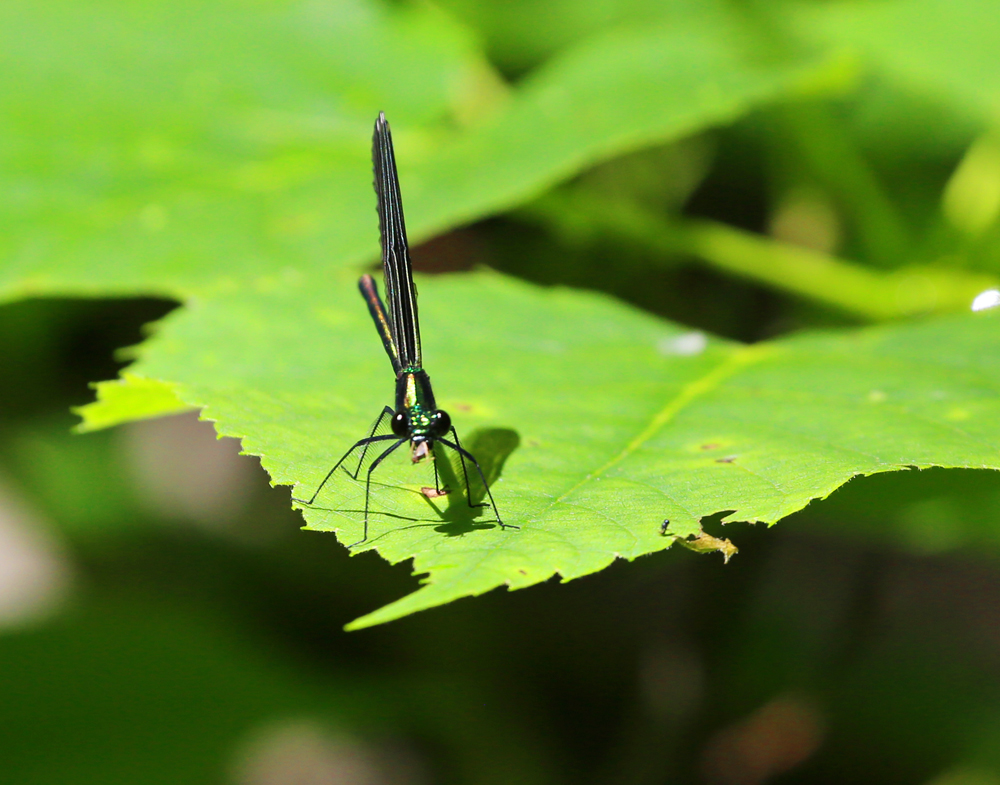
[[685, 345], [988, 299]]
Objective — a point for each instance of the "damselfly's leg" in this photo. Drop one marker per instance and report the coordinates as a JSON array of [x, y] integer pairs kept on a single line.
[[386, 411], [437, 483], [463, 454], [368, 483], [329, 474]]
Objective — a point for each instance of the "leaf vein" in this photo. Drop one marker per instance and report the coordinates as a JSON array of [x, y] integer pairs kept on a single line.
[[739, 359]]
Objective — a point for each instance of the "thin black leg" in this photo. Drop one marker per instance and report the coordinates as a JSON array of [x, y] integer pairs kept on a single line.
[[463, 453], [465, 473], [329, 474], [387, 410], [437, 483], [368, 484]]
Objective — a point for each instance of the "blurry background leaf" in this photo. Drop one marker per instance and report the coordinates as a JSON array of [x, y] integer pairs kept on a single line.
[[932, 47], [225, 177], [159, 146]]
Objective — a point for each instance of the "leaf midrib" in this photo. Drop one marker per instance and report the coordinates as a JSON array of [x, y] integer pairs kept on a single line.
[[737, 360]]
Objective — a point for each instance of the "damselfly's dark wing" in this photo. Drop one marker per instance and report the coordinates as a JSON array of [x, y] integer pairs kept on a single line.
[[400, 292], [369, 290]]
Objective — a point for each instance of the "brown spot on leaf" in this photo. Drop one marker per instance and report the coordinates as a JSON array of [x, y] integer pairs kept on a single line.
[[433, 493], [706, 543], [727, 459], [710, 446]]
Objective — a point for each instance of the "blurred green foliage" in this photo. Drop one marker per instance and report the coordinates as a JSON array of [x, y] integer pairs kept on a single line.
[[744, 168]]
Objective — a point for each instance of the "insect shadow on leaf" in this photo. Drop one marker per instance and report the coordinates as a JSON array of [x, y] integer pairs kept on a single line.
[[450, 500], [493, 446]]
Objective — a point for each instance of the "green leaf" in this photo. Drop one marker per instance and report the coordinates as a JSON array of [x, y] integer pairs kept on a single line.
[[946, 48], [129, 398], [232, 144], [623, 420], [168, 148], [521, 33]]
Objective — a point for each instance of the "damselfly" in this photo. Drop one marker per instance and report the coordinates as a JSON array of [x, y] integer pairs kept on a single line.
[[416, 418]]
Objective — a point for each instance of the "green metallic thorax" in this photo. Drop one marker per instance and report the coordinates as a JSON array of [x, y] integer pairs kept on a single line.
[[415, 397]]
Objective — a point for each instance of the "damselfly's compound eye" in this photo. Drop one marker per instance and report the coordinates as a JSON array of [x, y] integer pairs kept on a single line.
[[440, 422], [400, 424]]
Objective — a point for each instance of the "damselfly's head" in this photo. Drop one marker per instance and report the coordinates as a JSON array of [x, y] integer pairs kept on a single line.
[[422, 428]]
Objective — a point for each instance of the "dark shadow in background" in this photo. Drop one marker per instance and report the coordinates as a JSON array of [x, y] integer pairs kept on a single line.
[[51, 349]]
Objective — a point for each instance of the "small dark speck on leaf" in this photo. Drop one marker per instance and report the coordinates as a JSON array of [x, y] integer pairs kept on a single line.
[[730, 459], [523, 572]]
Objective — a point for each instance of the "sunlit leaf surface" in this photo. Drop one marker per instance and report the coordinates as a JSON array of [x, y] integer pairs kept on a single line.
[[620, 420]]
